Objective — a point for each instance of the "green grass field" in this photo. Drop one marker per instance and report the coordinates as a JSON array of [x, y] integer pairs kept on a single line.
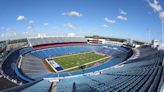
[[69, 61]]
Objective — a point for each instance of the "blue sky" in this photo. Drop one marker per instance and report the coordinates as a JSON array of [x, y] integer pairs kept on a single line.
[[109, 18]]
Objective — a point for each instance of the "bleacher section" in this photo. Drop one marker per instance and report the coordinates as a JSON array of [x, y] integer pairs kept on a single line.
[[49, 52], [52, 40], [33, 67], [10, 65], [42, 86], [25, 50]]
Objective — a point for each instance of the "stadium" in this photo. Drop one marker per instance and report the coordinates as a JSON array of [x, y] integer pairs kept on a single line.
[[78, 64], [81, 46]]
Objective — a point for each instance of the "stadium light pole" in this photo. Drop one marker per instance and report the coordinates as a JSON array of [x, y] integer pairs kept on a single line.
[[162, 25], [149, 36], [162, 30]]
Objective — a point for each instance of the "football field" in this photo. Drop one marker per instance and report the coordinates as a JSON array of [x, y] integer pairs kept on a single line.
[[80, 59]]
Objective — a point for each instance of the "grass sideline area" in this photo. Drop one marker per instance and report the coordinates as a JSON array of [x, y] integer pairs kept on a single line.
[[48, 66], [73, 60]]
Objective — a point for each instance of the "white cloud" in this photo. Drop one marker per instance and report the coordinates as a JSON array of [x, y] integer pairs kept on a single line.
[[29, 27], [109, 21], [122, 17], [72, 13], [46, 24], [70, 26], [106, 26], [30, 24], [122, 12], [156, 2], [21, 18], [71, 34], [155, 5]]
